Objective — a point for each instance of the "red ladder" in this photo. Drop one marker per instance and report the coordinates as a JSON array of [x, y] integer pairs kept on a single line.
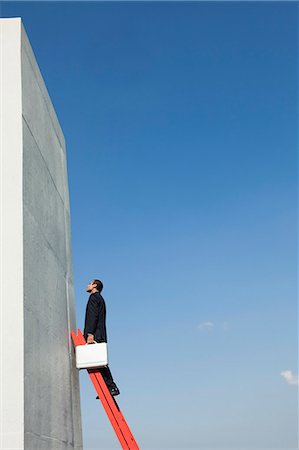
[[113, 412]]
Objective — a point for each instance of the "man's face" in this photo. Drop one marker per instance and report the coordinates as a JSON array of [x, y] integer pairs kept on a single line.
[[91, 286]]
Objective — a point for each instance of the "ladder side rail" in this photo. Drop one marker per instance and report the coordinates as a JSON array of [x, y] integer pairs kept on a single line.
[[80, 340], [113, 420], [112, 409], [117, 412]]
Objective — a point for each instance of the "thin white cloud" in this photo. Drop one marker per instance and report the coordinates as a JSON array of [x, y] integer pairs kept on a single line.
[[209, 326], [205, 326], [290, 377]]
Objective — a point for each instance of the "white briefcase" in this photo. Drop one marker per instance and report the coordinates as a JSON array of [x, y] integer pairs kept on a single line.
[[91, 355]]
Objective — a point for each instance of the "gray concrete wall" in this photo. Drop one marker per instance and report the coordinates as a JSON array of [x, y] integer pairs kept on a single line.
[[49, 310], [51, 398]]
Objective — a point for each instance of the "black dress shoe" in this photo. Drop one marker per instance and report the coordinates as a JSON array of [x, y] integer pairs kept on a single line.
[[114, 391]]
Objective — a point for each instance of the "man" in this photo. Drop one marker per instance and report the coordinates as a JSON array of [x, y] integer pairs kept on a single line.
[[95, 327]]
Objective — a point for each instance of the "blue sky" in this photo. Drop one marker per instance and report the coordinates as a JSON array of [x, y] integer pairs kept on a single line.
[[181, 128]]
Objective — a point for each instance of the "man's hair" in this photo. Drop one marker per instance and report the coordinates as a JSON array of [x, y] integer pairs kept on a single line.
[[99, 285]]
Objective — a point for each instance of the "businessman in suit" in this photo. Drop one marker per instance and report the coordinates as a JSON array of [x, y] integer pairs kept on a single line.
[[95, 327]]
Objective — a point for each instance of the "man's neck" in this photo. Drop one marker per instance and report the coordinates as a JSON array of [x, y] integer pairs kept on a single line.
[[94, 291]]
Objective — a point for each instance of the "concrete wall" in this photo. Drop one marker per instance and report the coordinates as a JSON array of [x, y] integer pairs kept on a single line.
[[50, 380]]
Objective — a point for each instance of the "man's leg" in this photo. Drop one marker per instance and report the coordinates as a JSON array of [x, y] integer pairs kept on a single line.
[[107, 375]]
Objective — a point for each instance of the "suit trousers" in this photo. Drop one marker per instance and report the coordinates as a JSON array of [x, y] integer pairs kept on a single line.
[[107, 375]]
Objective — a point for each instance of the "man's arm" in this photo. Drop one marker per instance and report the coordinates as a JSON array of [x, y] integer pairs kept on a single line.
[[92, 317]]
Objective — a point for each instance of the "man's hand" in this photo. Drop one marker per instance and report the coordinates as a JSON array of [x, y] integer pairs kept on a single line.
[[90, 339]]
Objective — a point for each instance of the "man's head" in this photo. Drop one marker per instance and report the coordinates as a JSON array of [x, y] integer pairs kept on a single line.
[[94, 286]]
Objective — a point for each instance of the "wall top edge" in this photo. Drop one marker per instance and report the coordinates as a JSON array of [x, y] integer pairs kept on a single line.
[[16, 19], [11, 25]]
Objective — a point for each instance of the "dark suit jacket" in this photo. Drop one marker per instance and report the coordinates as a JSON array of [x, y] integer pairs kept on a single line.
[[95, 318]]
